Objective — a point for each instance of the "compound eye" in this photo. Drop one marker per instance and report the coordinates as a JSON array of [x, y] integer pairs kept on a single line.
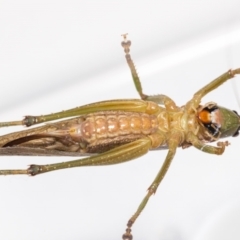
[[235, 112], [236, 133]]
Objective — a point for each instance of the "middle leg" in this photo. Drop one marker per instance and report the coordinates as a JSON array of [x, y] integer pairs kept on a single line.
[[160, 98]]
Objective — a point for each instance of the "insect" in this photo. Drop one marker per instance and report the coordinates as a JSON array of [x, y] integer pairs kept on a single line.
[[117, 131]]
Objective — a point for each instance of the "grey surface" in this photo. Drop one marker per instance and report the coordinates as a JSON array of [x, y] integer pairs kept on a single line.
[[59, 54]]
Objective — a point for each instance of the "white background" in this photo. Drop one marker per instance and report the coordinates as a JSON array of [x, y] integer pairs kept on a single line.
[[55, 55]]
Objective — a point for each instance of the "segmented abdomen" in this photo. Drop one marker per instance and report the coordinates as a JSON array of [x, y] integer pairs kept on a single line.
[[104, 125]]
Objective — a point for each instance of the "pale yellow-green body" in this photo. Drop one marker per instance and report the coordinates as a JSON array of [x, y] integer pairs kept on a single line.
[[121, 130]]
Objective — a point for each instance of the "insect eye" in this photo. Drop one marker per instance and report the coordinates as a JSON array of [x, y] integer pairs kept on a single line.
[[235, 112], [237, 132]]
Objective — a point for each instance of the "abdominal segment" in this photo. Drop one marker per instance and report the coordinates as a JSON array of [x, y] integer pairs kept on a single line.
[[92, 133]]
